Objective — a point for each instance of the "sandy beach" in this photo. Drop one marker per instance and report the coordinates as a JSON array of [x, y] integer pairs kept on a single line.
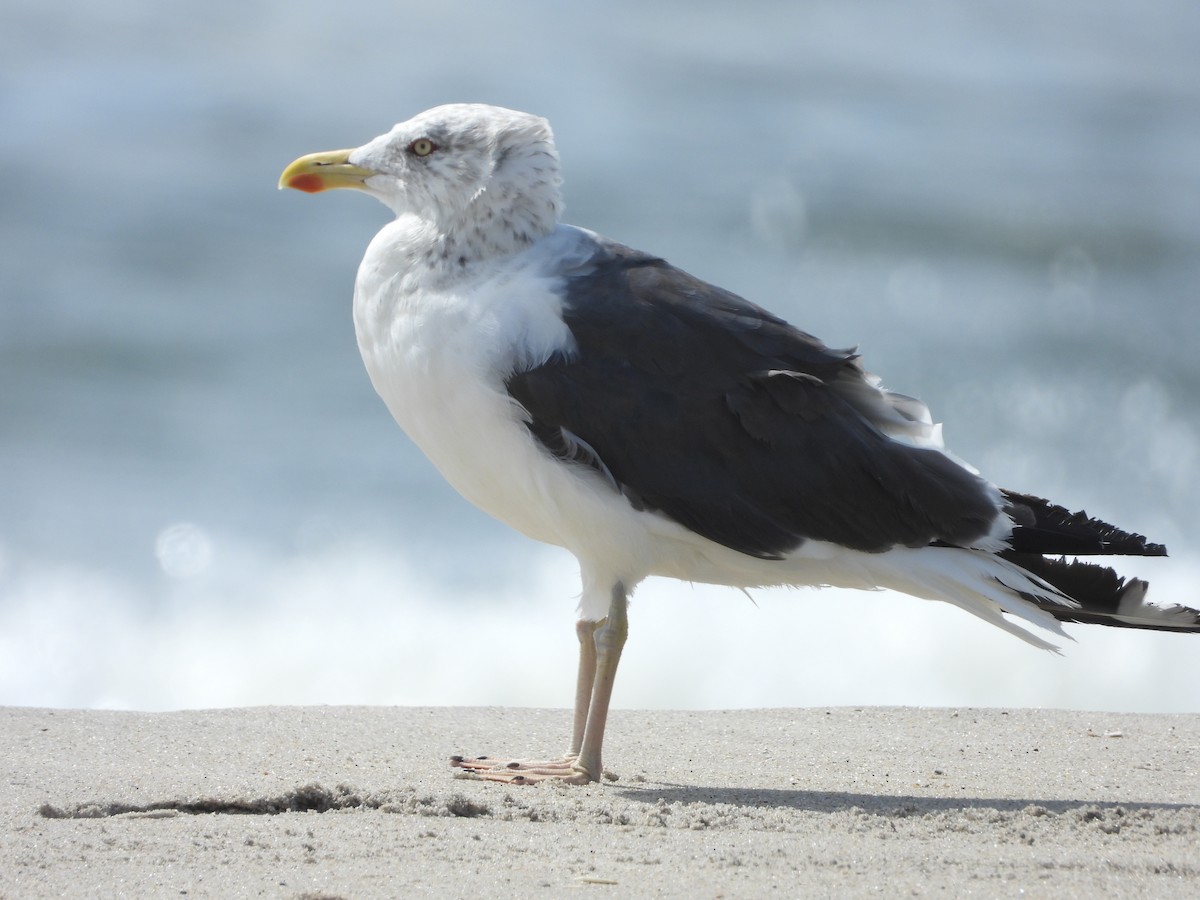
[[358, 802]]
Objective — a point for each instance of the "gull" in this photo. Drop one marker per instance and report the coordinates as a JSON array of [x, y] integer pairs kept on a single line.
[[597, 398]]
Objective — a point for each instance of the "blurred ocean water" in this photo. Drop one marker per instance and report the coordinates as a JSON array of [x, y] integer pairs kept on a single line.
[[202, 503]]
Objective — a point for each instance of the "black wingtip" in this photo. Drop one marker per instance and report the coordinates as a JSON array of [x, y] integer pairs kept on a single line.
[[1045, 527], [1104, 597]]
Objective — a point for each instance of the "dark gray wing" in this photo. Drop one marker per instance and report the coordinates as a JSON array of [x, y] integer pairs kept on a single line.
[[699, 404]]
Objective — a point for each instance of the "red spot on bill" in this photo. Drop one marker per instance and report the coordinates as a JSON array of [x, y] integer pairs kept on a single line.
[[310, 184]]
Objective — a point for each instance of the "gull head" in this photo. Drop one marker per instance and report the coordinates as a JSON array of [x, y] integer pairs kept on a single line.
[[461, 168]]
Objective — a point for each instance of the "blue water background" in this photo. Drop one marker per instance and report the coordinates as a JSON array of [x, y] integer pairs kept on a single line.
[[202, 503]]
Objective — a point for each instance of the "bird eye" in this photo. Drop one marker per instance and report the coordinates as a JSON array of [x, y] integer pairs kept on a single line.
[[422, 147]]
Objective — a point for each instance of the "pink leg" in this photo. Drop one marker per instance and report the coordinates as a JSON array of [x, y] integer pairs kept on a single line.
[[600, 645]]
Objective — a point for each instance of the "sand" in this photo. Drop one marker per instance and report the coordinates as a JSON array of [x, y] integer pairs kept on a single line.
[[360, 802]]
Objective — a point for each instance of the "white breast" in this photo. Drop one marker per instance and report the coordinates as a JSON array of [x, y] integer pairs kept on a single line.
[[439, 357]]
